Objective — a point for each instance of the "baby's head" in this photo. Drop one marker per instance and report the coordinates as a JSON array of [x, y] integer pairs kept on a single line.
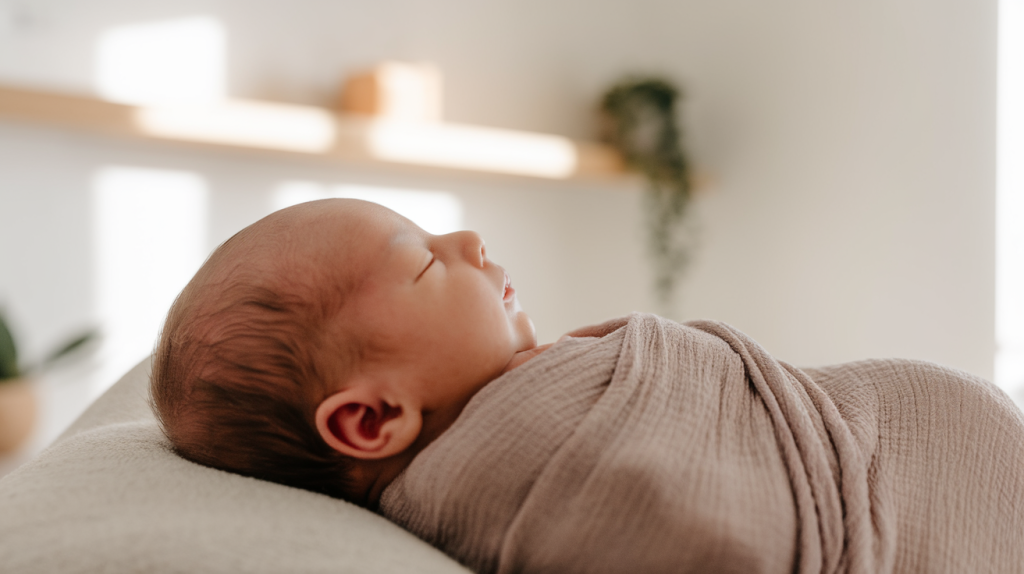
[[328, 343]]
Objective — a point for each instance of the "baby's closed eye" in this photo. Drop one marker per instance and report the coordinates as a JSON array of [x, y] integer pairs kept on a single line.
[[429, 264]]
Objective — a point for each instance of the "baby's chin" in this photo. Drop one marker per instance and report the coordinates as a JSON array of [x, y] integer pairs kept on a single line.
[[525, 332]]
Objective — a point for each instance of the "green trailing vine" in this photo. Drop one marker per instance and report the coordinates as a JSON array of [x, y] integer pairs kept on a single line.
[[641, 118]]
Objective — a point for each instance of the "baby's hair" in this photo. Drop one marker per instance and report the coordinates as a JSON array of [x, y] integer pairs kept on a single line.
[[236, 382]]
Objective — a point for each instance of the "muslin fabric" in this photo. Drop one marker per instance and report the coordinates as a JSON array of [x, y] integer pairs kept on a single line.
[[664, 447]]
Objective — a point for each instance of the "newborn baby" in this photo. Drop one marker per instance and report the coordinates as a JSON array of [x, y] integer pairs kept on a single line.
[[325, 345], [336, 347]]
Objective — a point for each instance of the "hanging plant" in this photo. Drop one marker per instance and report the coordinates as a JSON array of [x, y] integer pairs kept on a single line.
[[640, 118]]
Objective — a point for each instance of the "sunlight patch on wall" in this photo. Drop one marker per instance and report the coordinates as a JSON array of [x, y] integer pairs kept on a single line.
[[437, 212], [1009, 368], [167, 62], [150, 238]]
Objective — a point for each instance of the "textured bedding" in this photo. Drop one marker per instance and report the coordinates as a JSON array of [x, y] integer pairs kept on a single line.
[[668, 447]]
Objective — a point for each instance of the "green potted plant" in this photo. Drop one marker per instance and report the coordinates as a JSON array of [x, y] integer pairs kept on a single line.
[[17, 399], [640, 121]]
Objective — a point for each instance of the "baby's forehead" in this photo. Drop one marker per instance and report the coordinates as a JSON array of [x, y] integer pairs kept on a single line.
[[320, 243]]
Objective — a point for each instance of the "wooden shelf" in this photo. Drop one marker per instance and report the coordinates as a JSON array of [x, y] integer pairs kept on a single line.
[[312, 131]]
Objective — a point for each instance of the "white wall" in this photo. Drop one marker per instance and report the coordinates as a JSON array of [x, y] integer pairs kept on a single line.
[[851, 146]]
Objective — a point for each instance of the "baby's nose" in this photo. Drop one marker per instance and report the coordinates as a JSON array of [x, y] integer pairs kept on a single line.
[[472, 246]]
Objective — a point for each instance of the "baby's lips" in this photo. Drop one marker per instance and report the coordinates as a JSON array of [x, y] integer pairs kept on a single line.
[[508, 293]]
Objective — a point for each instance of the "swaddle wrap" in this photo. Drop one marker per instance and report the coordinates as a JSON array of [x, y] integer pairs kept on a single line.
[[671, 448]]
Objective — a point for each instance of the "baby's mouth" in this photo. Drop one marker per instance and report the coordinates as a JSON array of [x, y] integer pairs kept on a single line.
[[509, 292]]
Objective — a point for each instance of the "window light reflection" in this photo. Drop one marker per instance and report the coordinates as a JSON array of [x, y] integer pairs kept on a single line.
[[1009, 365], [150, 238], [171, 61]]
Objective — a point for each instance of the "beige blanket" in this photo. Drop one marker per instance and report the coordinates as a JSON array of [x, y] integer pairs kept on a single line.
[[688, 448]]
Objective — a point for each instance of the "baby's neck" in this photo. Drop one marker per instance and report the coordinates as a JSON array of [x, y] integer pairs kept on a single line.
[[523, 356], [373, 477]]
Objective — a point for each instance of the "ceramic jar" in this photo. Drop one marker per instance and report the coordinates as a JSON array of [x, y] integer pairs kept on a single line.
[[17, 413]]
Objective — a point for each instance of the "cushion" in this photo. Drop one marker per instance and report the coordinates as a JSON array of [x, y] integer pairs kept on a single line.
[[110, 496]]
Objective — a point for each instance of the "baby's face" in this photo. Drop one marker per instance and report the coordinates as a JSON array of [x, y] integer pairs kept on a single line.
[[442, 319]]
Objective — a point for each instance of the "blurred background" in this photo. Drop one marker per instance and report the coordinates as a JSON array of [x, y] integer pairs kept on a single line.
[[861, 191]]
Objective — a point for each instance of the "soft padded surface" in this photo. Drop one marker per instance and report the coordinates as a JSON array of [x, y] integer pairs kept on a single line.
[[109, 496]]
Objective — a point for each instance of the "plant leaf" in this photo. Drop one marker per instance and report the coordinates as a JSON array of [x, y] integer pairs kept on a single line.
[[8, 353], [69, 347]]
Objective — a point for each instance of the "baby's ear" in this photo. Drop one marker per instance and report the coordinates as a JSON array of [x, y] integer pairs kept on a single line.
[[357, 422]]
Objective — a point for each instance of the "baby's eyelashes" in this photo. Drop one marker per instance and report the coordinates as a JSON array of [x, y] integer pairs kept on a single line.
[[429, 264]]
